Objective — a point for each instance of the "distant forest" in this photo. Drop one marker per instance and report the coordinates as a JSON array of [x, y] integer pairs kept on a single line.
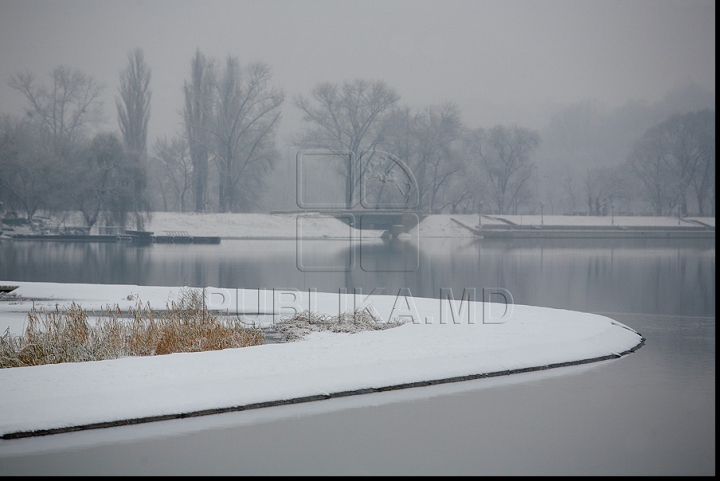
[[369, 150]]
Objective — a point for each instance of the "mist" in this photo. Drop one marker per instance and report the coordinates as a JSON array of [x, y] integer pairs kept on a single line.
[[628, 65]]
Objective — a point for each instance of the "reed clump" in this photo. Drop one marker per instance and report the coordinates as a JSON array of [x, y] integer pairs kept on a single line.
[[67, 335], [297, 327]]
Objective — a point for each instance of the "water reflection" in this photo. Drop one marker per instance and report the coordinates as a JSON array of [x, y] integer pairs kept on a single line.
[[181, 427], [645, 276], [650, 413]]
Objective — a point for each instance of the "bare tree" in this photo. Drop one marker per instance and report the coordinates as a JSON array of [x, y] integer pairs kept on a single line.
[[504, 155], [7, 154], [86, 173], [245, 112], [133, 106], [428, 140], [703, 180], [649, 164], [348, 120], [604, 188], [133, 109], [176, 169], [197, 114], [25, 179], [683, 152], [114, 180], [63, 109], [59, 116], [439, 134], [675, 156]]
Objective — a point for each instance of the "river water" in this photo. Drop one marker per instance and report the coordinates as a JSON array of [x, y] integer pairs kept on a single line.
[[649, 413]]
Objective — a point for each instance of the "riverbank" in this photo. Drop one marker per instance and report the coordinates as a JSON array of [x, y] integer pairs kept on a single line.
[[440, 342], [317, 226]]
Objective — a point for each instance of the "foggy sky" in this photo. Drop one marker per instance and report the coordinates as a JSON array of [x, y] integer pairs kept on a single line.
[[508, 61]]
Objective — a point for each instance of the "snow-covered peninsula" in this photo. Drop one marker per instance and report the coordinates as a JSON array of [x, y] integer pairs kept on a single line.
[[441, 340]]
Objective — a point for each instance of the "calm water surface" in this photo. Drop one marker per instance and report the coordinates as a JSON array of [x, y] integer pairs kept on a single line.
[[652, 412]]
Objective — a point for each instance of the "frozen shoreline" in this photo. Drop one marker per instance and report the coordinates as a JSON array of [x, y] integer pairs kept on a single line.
[[71, 396]]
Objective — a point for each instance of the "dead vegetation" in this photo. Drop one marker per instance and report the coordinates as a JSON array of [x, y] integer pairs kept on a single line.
[[300, 325], [57, 336], [186, 325]]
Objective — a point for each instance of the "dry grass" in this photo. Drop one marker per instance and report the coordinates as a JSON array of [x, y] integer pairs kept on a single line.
[[300, 325], [67, 336]]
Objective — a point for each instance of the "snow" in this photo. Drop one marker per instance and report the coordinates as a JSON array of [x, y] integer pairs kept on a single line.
[[435, 225], [423, 349], [241, 226], [481, 338], [317, 225]]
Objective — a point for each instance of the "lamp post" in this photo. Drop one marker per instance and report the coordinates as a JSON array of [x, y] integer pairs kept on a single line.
[[542, 213], [612, 213], [480, 215]]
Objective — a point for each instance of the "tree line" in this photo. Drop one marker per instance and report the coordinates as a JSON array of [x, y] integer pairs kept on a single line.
[[52, 158], [50, 162]]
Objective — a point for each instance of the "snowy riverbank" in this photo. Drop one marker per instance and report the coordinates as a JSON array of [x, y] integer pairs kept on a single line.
[[436, 225], [441, 341], [315, 225]]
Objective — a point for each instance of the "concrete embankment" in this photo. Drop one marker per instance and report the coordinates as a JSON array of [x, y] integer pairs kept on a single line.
[[506, 229], [598, 232]]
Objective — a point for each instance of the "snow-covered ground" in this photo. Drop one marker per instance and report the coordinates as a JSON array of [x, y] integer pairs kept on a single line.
[[439, 340], [436, 225], [251, 225], [315, 225]]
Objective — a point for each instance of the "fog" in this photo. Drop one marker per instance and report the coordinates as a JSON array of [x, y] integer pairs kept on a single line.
[[115, 117], [510, 62], [501, 61]]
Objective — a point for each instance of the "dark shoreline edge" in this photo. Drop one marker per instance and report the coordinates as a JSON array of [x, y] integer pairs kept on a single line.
[[318, 397]]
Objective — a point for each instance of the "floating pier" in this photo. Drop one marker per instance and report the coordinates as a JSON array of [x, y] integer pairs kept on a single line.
[[134, 237], [170, 237]]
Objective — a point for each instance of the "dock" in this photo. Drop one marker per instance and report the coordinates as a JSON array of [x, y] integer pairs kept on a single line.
[[170, 237], [130, 236]]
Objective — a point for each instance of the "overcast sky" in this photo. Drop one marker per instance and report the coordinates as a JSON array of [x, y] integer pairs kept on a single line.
[[501, 61]]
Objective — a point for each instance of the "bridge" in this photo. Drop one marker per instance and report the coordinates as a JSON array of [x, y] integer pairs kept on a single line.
[[393, 222]]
